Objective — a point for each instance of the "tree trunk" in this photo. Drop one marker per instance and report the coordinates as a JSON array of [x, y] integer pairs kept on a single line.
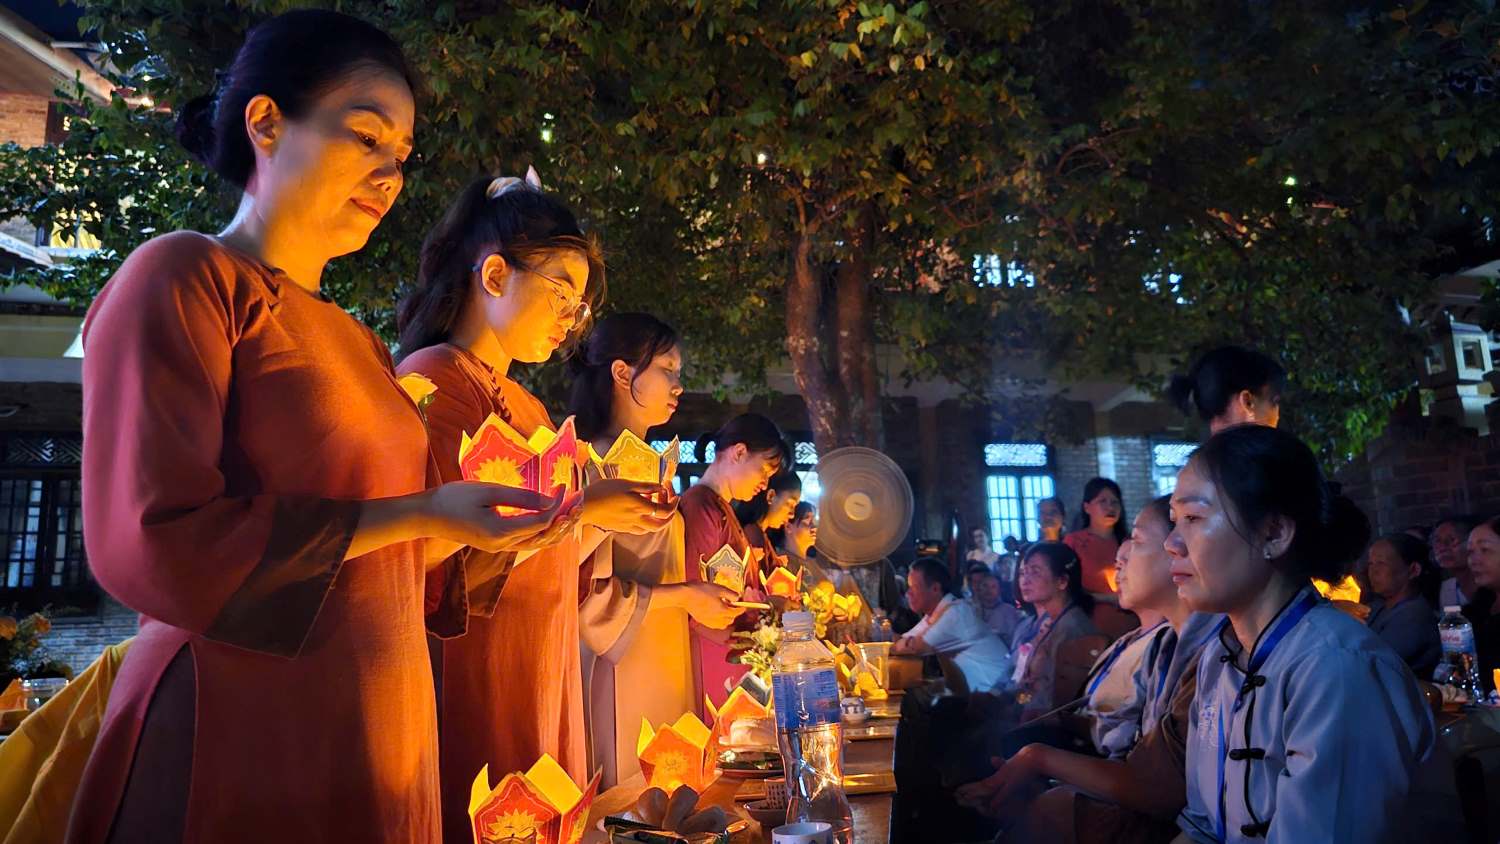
[[827, 410], [856, 337], [843, 399]]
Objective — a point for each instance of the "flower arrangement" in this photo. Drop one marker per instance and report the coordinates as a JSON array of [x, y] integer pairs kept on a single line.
[[22, 654], [756, 648]]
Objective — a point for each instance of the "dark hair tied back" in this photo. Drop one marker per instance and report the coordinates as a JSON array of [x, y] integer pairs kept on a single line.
[[1220, 375], [520, 224], [1062, 561], [784, 481], [635, 338], [1266, 471], [292, 58], [759, 434]]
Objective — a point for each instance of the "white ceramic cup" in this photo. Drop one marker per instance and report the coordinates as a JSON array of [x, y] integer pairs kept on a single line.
[[803, 833]]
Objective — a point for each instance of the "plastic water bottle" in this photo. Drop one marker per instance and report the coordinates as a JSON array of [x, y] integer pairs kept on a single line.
[[806, 687], [1460, 666]]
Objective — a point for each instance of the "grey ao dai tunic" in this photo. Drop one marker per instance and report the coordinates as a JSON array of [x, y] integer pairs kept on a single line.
[[1323, 748]]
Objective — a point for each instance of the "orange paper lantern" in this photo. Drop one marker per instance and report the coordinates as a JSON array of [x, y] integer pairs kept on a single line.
[[739, 706], [541, 806], [677, 754], [781, 583]]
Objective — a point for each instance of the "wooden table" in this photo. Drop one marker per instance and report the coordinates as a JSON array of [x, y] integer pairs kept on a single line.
[[863, 761]]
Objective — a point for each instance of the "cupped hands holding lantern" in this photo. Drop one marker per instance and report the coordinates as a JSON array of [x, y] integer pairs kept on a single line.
[[462, 513], [623, 506]]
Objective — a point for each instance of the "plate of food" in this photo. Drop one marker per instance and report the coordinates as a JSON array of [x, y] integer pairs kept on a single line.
[[749, 762], [657, 818]]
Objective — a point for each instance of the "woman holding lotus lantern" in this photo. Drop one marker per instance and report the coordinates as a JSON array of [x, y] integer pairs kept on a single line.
[[258, 486], [747, 451], [507, 276], [627, 378]]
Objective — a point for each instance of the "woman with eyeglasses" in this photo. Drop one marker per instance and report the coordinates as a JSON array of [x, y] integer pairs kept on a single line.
[[507, 277]]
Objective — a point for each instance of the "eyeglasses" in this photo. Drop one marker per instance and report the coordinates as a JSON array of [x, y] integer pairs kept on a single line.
[[565, 305]]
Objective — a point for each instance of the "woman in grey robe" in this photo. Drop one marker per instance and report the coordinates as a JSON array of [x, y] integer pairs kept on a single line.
[[1306, 726]]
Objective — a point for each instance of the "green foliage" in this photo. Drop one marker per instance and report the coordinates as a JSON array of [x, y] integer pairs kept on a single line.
[[1162, 176]]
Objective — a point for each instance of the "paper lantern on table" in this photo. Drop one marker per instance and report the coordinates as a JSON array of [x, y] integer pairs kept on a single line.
[[740, 706], [677, 754], [781, 583], [541, 806]]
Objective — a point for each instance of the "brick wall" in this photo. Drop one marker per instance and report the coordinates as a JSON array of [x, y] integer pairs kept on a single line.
[[79, 641], [23, 119], [1132, 471], [1076, 463], [1422, 469]]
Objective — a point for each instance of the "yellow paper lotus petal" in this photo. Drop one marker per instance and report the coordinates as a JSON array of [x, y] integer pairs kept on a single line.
[[501, 471], [644, 739], [554, 783], [691, 728], [480, 790], [500, 426], [781, 583], [518, 826], [677, 754]]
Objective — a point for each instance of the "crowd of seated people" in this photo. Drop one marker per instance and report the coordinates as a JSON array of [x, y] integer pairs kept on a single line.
[[1245, 705]]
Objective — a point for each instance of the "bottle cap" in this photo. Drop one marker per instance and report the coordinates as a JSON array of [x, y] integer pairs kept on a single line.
[[797, 621], [1452, 609]]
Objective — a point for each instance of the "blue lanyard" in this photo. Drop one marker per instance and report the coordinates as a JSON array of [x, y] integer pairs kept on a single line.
[[1114, 654], [1161, 680], [1109, 661], [1257, 659]]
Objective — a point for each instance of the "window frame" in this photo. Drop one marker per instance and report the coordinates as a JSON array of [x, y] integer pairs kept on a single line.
[[1025, 519], [54, 473]]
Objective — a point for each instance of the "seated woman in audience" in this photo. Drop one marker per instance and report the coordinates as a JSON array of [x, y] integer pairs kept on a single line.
[[1299, 707], [1400, 611], [1097, 534], [1136, 797], [1058, 607], [1115, 698], [1484, 610]]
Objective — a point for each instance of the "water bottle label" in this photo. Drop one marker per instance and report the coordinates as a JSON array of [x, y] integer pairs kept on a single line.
[[1457, 640], [806, 698]]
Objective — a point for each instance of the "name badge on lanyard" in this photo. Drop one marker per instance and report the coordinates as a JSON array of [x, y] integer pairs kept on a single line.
[[1023, 655]]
